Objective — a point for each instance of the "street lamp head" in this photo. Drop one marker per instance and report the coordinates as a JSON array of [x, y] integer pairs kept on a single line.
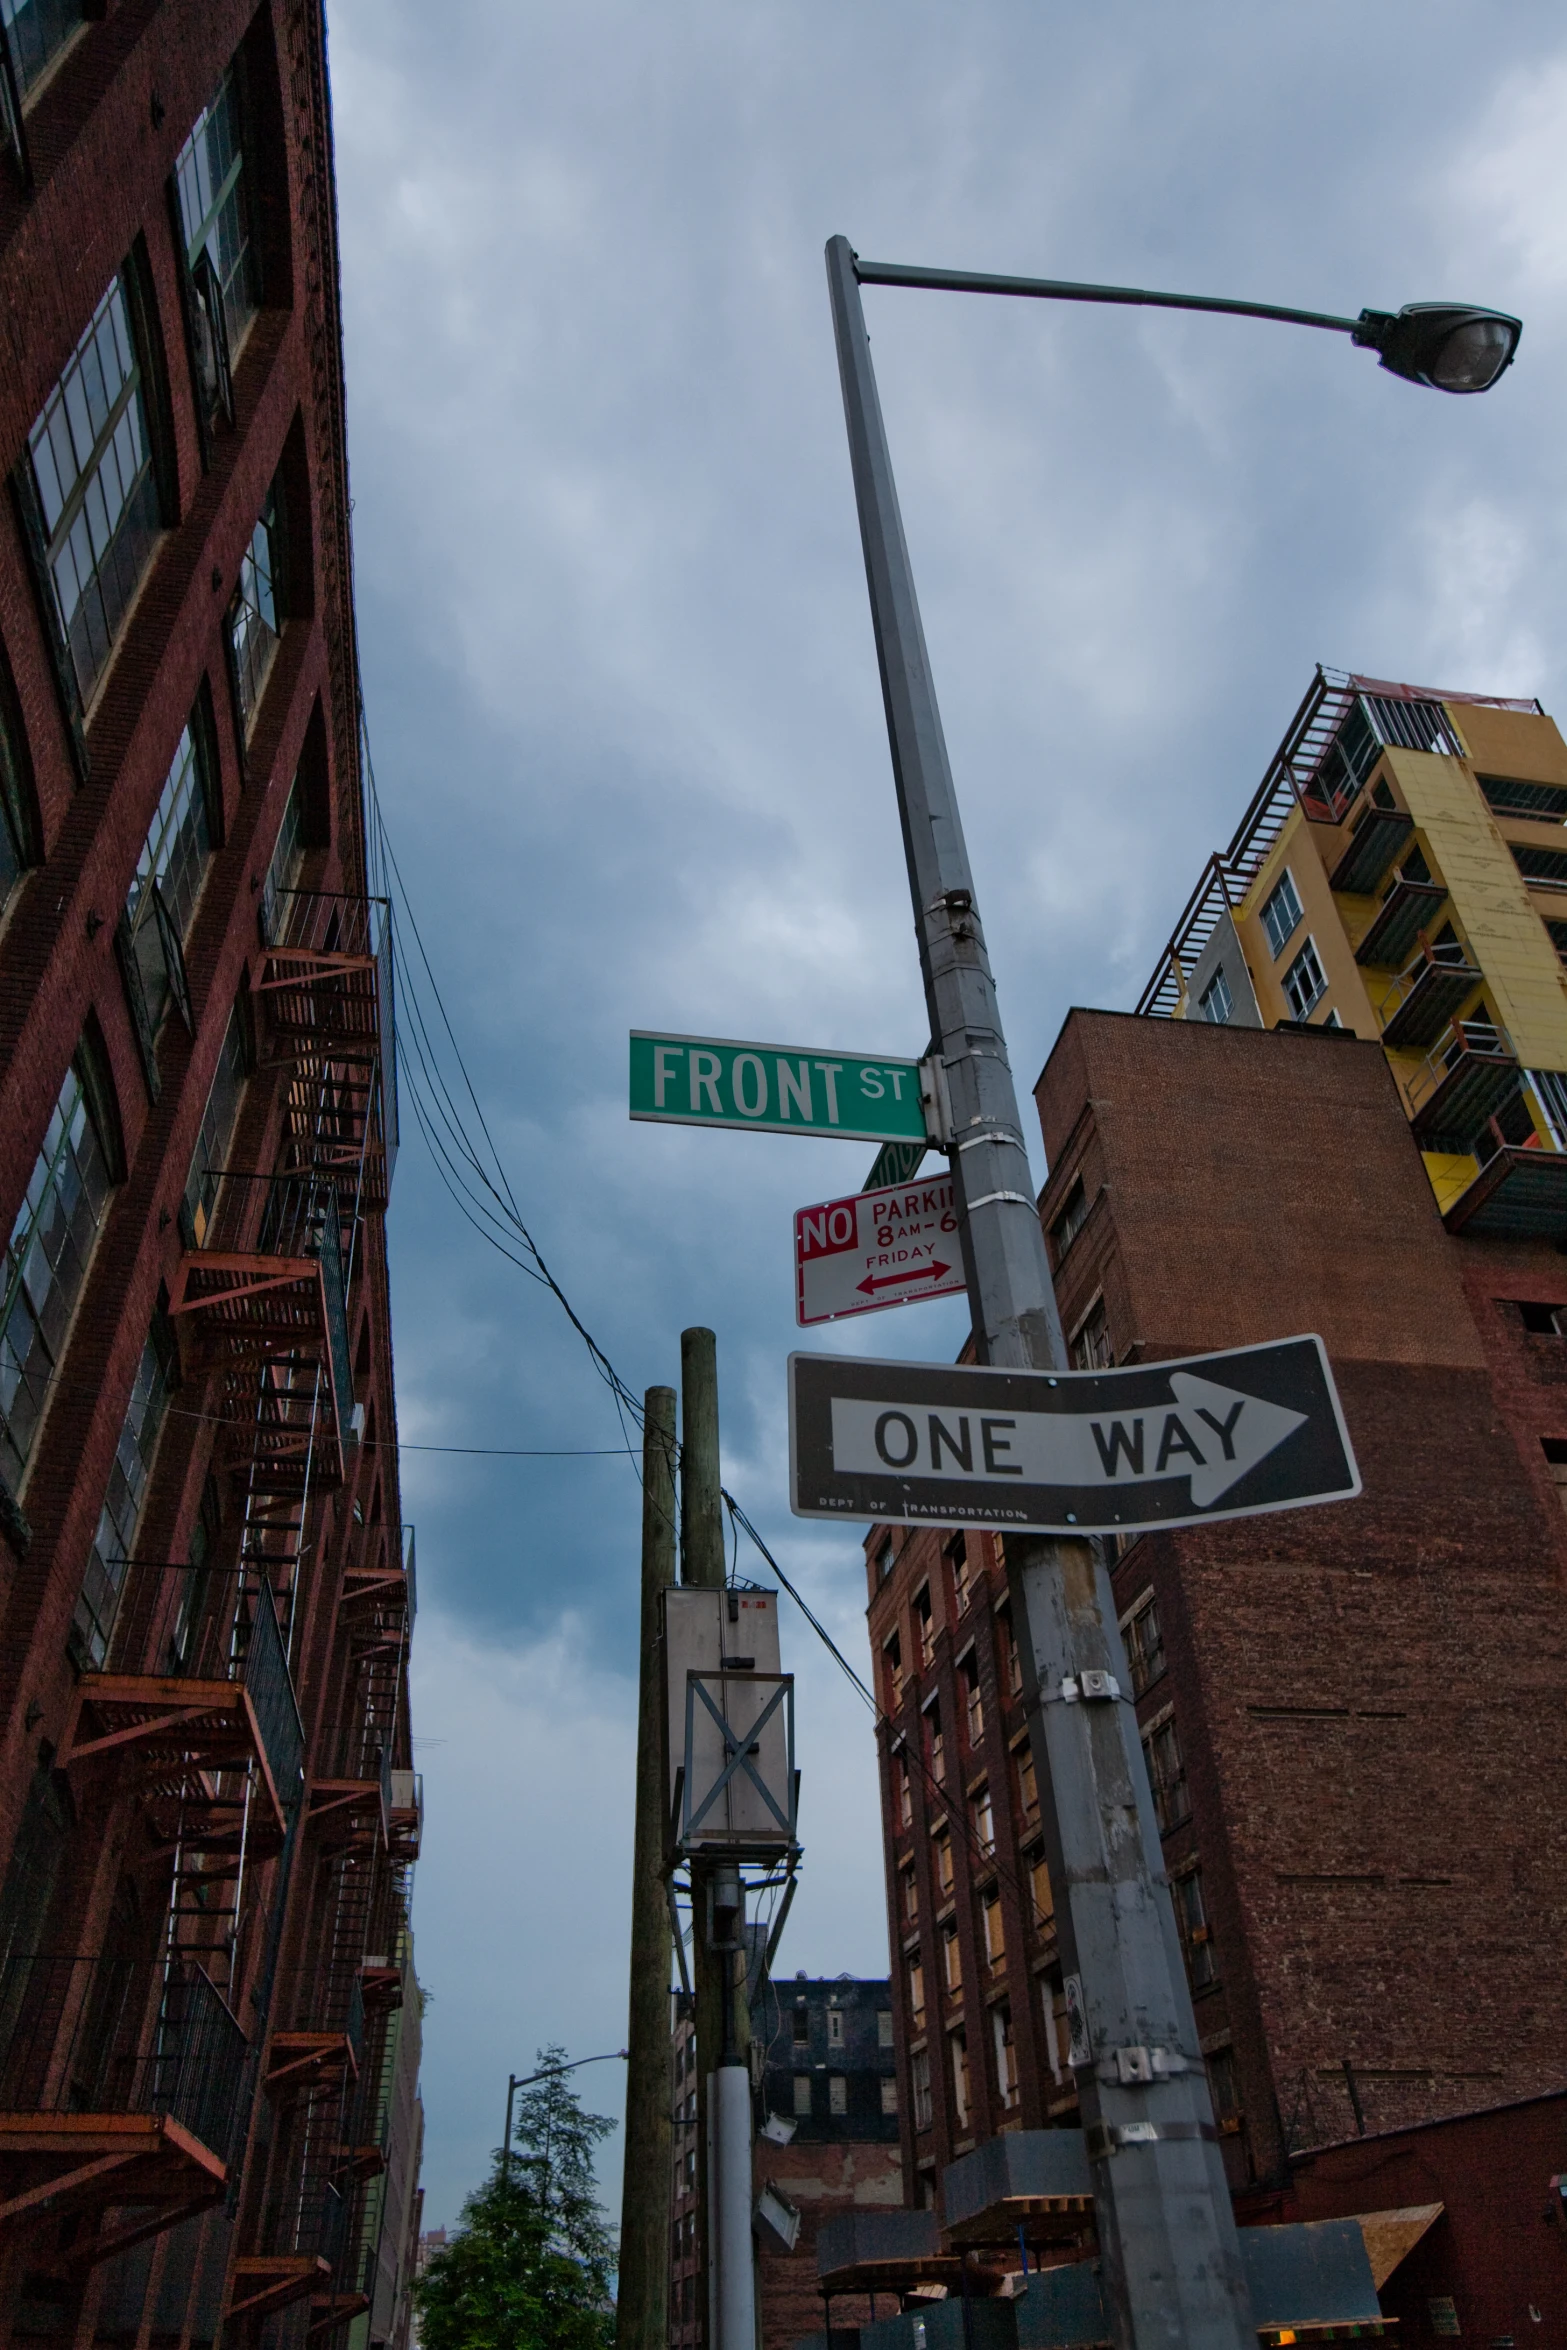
[[1451, 346]]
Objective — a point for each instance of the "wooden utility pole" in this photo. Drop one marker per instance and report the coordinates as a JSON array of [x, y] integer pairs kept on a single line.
[[642, 2306], [702, 1563]]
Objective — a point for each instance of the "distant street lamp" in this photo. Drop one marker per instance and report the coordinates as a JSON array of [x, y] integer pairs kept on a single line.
[[549, 2072], [1167, 2239]]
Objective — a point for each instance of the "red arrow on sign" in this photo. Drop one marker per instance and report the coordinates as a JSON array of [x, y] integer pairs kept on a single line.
[[890, 1280]]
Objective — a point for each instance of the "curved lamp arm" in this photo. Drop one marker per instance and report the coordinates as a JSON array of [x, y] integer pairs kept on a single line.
[[1450, 346]]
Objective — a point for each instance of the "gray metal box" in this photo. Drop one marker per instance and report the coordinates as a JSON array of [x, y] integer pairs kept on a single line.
[[729, 1720], [1035, 2163]]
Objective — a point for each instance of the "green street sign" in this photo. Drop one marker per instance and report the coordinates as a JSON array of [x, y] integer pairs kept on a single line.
[[777, 1088], [895, 1162]]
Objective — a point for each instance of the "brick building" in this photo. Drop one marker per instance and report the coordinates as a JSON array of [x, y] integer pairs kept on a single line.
[[1350, 1713], [826, 2113], [208, 2017]]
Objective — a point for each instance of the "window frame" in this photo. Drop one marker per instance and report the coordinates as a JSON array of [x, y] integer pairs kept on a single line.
[[1301, 1007], [212, 318], [1282, 895], [1218, 985], [259, 608], [83, 1118], [142, 1424], [142, 513]]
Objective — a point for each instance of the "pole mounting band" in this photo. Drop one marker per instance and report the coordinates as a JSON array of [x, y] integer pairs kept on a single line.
[[1018, 1198]]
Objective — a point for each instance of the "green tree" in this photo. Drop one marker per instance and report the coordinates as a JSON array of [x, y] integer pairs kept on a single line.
[[529, 2267]]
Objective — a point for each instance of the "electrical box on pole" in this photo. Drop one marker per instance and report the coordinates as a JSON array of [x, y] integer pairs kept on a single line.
[[729, 1715]]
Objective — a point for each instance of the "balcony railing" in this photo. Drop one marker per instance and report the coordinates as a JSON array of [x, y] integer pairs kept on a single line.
[[1520, 1192], [262, 1275], [119, 2035], [1462, 1082], [1424, 999], [328, 985], [196, 1685]]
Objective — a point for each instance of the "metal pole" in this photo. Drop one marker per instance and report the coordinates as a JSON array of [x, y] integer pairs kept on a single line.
[[1171, 2261], [511, 2090], [702, 1563], [642, 2303]]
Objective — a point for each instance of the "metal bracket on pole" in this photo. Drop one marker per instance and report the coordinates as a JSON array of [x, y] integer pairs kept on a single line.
[[677, 1936], [936, 1101], [1130, 2065], [1102, 2139], [1086, 1688]]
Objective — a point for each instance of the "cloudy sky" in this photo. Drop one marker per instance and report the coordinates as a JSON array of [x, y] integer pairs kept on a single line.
[[626, 725]]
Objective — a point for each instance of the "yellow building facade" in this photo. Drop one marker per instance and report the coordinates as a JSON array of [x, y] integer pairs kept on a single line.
[[1401, 873]]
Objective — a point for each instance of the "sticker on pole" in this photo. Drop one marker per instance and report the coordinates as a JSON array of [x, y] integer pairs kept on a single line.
[[876, 1249], [1069, 1452]]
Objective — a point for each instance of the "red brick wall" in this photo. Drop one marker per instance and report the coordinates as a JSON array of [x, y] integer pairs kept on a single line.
[[1368, 1696], [819, 2181]]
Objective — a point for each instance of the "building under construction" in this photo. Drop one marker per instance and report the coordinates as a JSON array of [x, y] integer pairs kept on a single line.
[[209, 2022], [1350, 1119]]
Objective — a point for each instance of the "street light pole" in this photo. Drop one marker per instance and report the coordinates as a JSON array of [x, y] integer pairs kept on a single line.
[[1167, 2238]]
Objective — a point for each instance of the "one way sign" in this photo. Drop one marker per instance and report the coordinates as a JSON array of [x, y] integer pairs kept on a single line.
[[1154, 1444]]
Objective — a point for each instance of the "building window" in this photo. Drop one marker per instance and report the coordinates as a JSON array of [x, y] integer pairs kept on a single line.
[[167, 883], [837, 2094], [1070, 1222], [1281, 914], [284, 868], [1006, 2052], [951, 1960], [20, 845], [909, 1895], [35, 33], [944, 1864], [46, 1263], [802, 2096], [905, 1794], [114, 1544], [984, 1820], [935, 1750], [892, 1672], [92, 469], [884, 2027], [957, 1553], [1192, 1915], [802, 2022], [889, 2094], [1167, 1775], [1216, 1002], [925, 1627], [1027, 1782], [973, 1703], [916, 1992], [1091, 1349], [1011, 1658], [209, 173], [995, 1930], [210, 1157], [835, 2027], [1040, 1892], [1304, 984], [1221, 2084], [253, 623], [1144, 1646], [884, 1560], [920, 2068], [960, 2098]]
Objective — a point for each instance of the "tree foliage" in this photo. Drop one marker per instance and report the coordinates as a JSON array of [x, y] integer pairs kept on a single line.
[[530, 2265]]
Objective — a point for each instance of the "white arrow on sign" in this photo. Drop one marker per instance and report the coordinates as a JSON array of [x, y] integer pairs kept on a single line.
[[1207, 1432]]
